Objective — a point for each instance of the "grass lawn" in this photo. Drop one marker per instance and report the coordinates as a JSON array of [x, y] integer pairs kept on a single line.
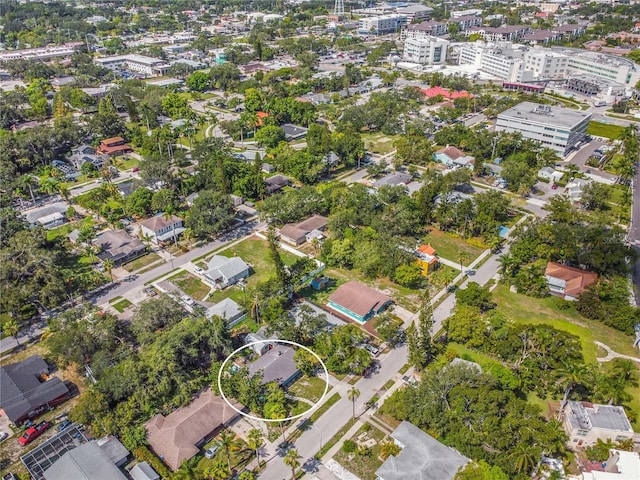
[[523, 309], [191, 285], [379, 142], [324, 407], [141, 262], [310, 388], [245, 326], [256, 253], [125, 163], [363, 466], [604, 130], [449, 246], [240, 456], [122, 305]]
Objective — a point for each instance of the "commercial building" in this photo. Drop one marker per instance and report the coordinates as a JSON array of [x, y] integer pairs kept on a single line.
[[504, 33], [381, 25], [503, 60], [586, 423], [546, 63], [609, 67], [426, 51], [424, 29], [41, 53], [142, 64], [415, 12], [558, 128]]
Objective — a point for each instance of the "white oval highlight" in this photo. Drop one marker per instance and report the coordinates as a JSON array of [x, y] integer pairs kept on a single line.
[[260, 419]]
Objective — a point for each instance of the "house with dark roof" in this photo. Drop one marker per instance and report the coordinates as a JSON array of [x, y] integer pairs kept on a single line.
[[179, 436], [393, 180], [568, 282], [113, 146], [118, 246], [87, 461], [276, 365], [277, 182], [421, 457], [586, 423], [160, 229], [26, 390], [358, 301], [293, 132], [224, 271]]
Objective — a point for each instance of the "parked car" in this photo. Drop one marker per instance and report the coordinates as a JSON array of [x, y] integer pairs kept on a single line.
[[135, 169], [554, 186], [64, 424], [188, 300], [3, 435], [32, 433], [373, 350], [470, 272], [211, 452], [198, 270]]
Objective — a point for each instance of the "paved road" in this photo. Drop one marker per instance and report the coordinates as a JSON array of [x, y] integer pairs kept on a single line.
[[581, 156]]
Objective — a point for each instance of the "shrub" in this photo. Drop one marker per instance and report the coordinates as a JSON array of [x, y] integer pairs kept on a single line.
[[349, 446], [143, 454]]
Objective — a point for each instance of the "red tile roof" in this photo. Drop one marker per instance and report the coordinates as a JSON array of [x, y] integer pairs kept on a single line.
[[449, 94], [427, 249], [576, 280]]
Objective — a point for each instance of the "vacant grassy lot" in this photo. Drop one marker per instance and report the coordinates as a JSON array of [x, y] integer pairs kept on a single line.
[[122, 305], [310, 388], [379, 142], [450, 246], [141, 262], [191, 285], [604, 130], [364, 466]]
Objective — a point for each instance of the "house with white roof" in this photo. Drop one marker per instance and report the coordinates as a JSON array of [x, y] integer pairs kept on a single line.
[[586, 423]]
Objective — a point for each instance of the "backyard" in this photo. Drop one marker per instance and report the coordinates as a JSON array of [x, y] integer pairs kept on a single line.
[[310, 388], [240, 455]]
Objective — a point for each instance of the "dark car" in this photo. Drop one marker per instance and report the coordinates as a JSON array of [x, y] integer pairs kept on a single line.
[[64, 424]]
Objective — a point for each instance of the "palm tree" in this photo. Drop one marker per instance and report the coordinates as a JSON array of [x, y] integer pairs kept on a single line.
[[12, 328], [247, 475], [353, 395], [524, 457], [219, 471], [188, 470], [571, 375], [28, 181], [168, 215], [229, 443], [291, 459], [389, 448], [255, 440], [626, 444], [108, 266], [187, 235]]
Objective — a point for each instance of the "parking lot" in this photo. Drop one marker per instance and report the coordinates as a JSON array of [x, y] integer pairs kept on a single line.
[[46, 454]]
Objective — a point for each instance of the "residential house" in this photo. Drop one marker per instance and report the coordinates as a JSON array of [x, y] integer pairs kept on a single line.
[[83, 154], [85, 461], [358, 301], [504, 33], [551, 174], [227, 310], [277, 182], [160, 229], [293, 132], [268, 168], [258, 342], [118, 246], [331, 159], [586, 423], [620, 465], [143, 471], [223, 272], [453, 157], [299, 233], [574, 188], [179, 436], [113, 146], [59, 82], [251, 69], [276, 365], [393, 180], [568, 282], [422, 457], [49, 216], [26, 390], [427, 259]]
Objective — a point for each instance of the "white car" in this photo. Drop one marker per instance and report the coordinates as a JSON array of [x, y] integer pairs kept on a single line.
[[188, 300], [211, 452], [198, 270], [3, 436]]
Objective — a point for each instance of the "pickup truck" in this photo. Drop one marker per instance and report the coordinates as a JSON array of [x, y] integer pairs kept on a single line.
[[32, 433]]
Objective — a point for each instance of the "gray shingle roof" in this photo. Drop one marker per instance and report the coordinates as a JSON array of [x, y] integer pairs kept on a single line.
[[277, 365], [227, 309], [227, 267], [422, 457], [88, 462]]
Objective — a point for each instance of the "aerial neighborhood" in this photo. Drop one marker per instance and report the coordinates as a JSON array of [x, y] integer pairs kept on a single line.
[[323, 240]]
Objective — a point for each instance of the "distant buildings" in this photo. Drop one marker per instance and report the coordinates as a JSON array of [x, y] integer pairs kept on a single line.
[[381, 25], [558, 128], [141, 64], [422, 457], [415, 12], [586, 423], [568, 282], [427, 50], [41, 53]]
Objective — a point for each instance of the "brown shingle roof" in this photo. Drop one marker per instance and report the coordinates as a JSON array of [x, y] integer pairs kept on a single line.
[[452, 152], [159, 222], [316, 222], [292, 232], [175, 436], [576, 280], [358, 298]]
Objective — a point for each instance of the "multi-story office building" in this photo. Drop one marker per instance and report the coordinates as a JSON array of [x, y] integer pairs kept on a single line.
[[557, 128], [426, 51], [609, 67], [381, 25], [415, 12], [147, 66], [501, 60], [546, 63], [504, 33]]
